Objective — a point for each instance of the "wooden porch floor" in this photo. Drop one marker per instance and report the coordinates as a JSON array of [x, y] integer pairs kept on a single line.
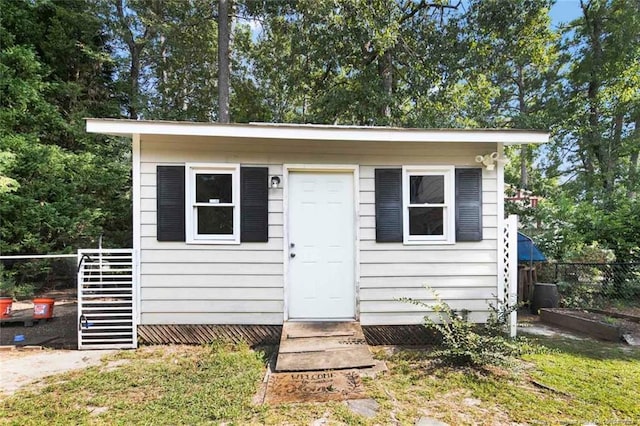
[[313, 346]]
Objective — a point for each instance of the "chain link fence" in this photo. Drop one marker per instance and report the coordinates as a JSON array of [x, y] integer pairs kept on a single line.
[[594, 285]]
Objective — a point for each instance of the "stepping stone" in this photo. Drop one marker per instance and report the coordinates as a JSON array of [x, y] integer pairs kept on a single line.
[[365, 407], [428, 421]]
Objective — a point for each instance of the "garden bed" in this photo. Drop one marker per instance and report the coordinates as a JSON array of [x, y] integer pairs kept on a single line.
[[602, 325]]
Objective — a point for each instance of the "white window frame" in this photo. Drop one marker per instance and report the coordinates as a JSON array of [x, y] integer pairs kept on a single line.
[[193, 169], [449, 208]]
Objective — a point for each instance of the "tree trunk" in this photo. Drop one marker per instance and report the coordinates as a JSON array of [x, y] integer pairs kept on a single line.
[[612, 154], [593, 145], [134, 80], [632, 184], [385, 70], [223, 61], [135, 46], [165, 73], [524, 150]]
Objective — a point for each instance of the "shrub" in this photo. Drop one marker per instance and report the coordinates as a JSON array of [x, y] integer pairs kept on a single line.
[[473, 345], [579, 295]]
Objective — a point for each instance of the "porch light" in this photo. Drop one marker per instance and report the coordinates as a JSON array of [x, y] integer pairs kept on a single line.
[[275, 182]]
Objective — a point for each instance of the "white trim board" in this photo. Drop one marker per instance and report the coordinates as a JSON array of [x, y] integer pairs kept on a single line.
[[449, 207], [137, 222], [313, 132], [328, 168], [191, 235]]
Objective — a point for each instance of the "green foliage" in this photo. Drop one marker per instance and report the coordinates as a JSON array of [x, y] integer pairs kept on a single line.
[[580, 295], [7, 282], [419, 64], [474, 345], [590, 253], [60, 189]]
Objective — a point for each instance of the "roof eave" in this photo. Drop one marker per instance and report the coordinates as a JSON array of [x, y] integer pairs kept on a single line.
[[314, 132]]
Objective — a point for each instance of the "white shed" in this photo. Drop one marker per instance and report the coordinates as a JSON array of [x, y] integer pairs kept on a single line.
[[258, 224]]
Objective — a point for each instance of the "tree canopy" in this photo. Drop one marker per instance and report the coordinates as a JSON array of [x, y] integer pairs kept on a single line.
[[479, 63]]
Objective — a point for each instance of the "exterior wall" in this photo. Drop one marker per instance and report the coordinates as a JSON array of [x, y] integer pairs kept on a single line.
[[244, 284]]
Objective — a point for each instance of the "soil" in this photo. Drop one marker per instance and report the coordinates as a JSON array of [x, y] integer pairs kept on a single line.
[[60, 332], [628, 310], [628, 327]]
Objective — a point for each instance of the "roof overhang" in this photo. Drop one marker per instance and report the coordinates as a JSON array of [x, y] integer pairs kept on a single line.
[[313, 132]]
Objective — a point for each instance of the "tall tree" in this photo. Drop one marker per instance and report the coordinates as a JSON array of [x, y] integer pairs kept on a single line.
[[68, 187], [604, 88], [514, 45], [134, 25], [224, 71], [356, 62]]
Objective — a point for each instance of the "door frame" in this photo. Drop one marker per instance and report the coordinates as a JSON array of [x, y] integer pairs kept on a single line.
[[354, 169]]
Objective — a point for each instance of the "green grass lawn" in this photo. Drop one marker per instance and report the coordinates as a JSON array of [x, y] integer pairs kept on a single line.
[[574, 382]]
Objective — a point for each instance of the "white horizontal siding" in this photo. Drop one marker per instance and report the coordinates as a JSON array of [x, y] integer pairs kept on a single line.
[[385, 306], [243, 284], [210, 317], [404, 318], [369, 234], [426, 295], [220, 255], [191, 268], [150, 230], [431, 256], [214, 293], [426, 269], [151, 243], [200, 305], [458, 247], [432, 281], [463, 274], [177, 282]]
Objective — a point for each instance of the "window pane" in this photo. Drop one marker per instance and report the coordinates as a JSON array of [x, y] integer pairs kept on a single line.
[[215, 220], [426, 189], [213, 187], [426, 221]]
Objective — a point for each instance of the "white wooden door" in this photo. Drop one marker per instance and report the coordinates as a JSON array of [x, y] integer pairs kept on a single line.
[[321, 283]]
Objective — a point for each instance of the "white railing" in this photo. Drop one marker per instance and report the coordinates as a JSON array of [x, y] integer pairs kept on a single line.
[[509, 270], [107, 310]]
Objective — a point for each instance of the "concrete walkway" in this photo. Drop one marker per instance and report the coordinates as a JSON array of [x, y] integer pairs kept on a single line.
[[19, 368]]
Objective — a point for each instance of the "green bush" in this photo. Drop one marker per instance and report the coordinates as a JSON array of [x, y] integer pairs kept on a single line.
[[576, 295], [474, 345]]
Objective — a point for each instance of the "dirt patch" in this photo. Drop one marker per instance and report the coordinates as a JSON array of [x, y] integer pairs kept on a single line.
[[60, 332], [628, 310]]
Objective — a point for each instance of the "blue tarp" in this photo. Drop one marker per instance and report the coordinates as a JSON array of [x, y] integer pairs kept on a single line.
[[527, 251]]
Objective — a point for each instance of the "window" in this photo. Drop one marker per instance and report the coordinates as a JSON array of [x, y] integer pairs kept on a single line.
[[213, 211], [428, 204]]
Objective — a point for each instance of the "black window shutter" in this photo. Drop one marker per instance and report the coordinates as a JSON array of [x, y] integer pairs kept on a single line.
[[468, 204], [388, 186], [170, 203], [254, 204]]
